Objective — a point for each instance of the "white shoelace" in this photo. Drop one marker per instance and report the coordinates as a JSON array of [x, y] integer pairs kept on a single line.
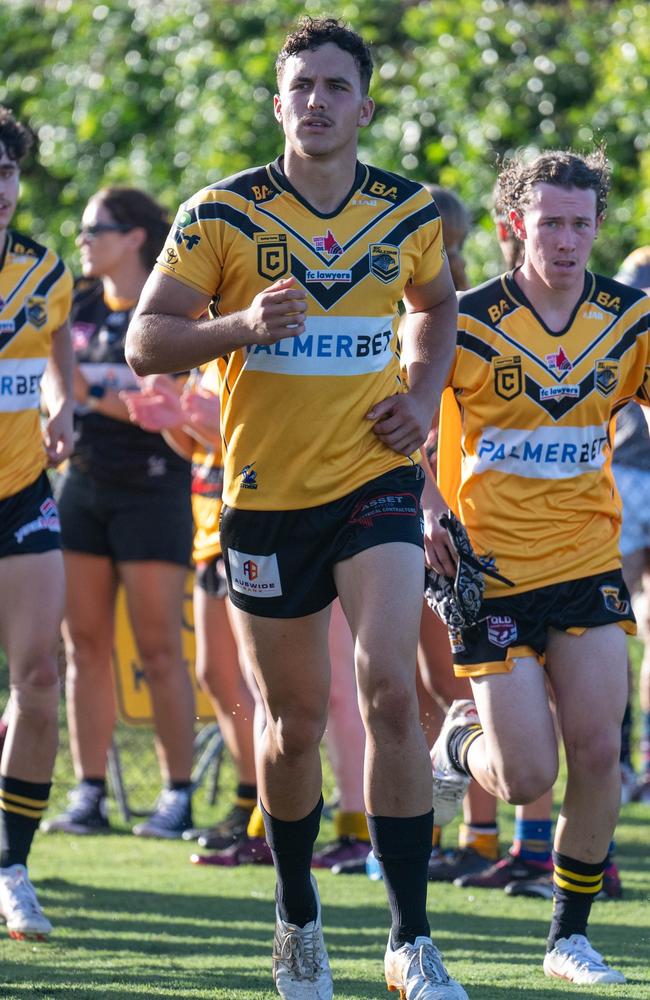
[[300, 953], [431, 965]]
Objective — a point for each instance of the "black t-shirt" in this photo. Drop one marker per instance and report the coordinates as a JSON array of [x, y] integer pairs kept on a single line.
[[108, 449]]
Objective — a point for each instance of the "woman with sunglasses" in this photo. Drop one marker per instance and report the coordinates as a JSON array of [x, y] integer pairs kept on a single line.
[[126, 518]]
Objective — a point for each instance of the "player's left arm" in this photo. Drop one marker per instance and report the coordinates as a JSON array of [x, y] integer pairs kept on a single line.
[[58, 435], [428, 335]]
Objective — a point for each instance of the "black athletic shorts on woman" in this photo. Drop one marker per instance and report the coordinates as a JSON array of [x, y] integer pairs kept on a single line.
[[124, 523], [280, 563], [29, 521], [517, 626]]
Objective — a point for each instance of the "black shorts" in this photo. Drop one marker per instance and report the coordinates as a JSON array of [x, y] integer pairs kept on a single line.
[[124, 523], [280, 563], [518, 626], [29, 521], [210, 576]]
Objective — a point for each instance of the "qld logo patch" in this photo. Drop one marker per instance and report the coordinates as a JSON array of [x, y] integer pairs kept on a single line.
[[272, 255], [507, 377], [606, 376], [559, 362], [257, 576], [612, 600], [328, 244], [501, 630], [384, 261]]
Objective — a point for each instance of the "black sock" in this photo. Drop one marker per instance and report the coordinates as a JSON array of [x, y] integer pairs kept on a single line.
[[292, 844], [402, 846], [246, 793], [575, 886], [178, 786], [99, 783], [22, 804], [460, 741]]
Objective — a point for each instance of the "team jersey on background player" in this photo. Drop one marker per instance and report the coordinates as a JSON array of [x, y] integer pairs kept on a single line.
[[35, 298], [536, 409], [294, 414]]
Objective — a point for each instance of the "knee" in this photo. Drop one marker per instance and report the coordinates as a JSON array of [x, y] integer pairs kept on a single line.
[[390, 705], [159, 660], [596, 751], [35, 699], [527, 782], [296, 731]]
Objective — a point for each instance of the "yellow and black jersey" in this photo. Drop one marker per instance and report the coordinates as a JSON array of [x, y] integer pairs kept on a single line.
[[293, 415], [207, 483], [535, 488], [35, 299]]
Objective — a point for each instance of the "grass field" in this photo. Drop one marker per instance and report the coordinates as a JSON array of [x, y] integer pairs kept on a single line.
[[133, 918]]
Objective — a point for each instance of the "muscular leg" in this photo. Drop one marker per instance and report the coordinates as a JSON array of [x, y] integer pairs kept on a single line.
[[516, 757], [154, 593], [88, 635], [589, 677], [219, 673], [345, 733], [380, 591]]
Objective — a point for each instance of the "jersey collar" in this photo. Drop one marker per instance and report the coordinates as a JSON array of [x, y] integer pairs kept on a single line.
[[518, 296], [277, 172]]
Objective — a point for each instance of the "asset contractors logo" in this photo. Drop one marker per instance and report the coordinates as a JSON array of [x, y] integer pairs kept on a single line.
[[255, 575]]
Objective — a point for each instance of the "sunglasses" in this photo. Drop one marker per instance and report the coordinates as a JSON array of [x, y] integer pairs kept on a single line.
[[97, 228]]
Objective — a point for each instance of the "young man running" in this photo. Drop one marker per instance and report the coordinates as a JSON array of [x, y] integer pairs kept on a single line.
[[35, 298], [303, 263], [546, 355]]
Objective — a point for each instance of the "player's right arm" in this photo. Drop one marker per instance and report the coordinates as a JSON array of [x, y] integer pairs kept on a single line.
[[169, 333]]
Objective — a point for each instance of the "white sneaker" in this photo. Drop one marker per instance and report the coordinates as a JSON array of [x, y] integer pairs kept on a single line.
[[19, 907], [574, 959], [418, 972], [449, 785], [301, 968], [172, 815]]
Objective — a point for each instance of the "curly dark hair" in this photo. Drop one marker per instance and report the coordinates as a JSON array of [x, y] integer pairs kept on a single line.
[[562, 168], [16, 138], [312, 32], [133, 207]]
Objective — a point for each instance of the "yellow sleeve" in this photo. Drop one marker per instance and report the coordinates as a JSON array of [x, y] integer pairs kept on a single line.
[[449, 449]]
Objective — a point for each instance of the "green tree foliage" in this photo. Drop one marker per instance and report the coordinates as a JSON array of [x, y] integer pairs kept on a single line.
[[176, 94]]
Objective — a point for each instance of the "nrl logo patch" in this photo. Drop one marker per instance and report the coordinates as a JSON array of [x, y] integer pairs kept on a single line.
[[272, 255], [606, 376], [507, 377], [384, 261]]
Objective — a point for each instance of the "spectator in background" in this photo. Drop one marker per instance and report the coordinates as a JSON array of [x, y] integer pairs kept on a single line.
[[126, 518], [631, 467], [35, 298]]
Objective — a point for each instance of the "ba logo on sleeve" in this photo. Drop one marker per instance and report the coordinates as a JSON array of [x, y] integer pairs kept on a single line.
[[257, 576], [507, 377], [272, 255], [606, 376], [384, 261]]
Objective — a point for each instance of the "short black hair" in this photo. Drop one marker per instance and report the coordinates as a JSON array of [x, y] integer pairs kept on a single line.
[[563, 168], [16, 138], [312, 32], [135, 208]]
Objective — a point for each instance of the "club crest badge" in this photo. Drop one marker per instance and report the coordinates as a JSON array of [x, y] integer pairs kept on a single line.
[[384, 261], [272, 255]]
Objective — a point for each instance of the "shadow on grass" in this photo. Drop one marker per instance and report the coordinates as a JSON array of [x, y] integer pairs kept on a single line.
[[104, 934]]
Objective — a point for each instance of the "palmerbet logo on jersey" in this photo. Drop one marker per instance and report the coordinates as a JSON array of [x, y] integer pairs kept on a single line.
[[328, 346]]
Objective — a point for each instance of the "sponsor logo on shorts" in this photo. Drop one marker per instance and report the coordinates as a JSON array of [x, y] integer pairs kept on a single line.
[[456, 640], [612, 600], [405, 504], [501, 630], [48, 520], [248, 477], [257, 576]]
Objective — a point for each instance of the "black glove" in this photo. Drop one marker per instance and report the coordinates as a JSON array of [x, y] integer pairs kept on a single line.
[[457, 600]]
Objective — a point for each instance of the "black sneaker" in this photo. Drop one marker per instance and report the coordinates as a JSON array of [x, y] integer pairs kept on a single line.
[[172, 815], [86, 813], [229, 831], [456, 864]]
